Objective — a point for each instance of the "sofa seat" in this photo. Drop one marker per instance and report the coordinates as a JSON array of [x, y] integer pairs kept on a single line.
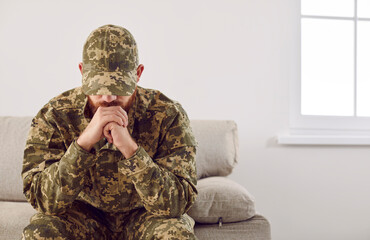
[[14, 216], [256, 228]]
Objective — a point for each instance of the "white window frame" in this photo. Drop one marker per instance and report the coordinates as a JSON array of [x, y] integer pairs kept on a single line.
[[325, 130]]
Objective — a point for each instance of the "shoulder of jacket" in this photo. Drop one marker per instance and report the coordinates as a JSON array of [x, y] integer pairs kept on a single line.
[[73, 98], [157, 101]]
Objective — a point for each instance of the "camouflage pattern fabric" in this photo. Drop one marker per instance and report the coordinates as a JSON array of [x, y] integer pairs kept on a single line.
[[82, 221], [159, 179], [110, 60]]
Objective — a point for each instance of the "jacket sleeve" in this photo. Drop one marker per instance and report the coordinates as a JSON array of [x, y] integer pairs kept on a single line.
[[166, 184], [52, 174]]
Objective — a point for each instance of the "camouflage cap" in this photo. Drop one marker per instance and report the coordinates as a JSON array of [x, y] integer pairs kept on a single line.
[[110, 61]]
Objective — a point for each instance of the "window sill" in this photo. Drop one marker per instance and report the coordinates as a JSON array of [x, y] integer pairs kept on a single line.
[[297, 139]]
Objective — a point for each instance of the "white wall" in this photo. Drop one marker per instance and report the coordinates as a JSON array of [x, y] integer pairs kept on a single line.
[[222, 60]]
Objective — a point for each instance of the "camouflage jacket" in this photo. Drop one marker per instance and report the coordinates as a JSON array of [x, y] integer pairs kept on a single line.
[[160, 176]]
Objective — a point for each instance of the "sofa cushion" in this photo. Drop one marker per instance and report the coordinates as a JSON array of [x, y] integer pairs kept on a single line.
[[13, 134], [217, 152], [221, 197], [14, 217]]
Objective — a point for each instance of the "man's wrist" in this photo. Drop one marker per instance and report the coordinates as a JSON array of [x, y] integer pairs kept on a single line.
[[87, 147], [129, 150]]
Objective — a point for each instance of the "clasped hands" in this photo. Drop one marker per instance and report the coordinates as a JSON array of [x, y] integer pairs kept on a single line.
[[111, 123]]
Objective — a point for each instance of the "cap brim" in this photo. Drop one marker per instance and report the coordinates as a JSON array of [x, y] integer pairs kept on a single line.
[[109, 83]]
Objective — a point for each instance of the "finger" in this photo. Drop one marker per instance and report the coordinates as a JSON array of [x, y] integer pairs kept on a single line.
[[118, 114], [107, 133], [124, 113], [116, 108], [112, 118]]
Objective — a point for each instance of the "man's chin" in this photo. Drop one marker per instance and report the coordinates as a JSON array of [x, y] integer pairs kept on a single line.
[[94, 106]]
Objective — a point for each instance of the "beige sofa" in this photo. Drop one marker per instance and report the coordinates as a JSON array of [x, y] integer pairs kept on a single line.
[[223, 210]]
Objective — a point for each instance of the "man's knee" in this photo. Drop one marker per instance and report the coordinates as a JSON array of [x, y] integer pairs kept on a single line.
[[169, 228], [45, 227]]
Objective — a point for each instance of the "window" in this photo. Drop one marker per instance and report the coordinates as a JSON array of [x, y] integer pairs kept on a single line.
[[332, 98]]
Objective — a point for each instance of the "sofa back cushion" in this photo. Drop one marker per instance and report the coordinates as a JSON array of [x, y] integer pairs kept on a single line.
[[217, 151], [13, 134], [216, 155]]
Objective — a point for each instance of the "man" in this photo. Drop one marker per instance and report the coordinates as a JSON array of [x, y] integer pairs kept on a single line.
[[110, 160]]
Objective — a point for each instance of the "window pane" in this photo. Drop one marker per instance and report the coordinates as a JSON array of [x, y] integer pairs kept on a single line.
[[363, 69], [327, 67], [363, 8], [339, 8]]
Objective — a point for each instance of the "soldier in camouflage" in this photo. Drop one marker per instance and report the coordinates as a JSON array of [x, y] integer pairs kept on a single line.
[[110, 159]]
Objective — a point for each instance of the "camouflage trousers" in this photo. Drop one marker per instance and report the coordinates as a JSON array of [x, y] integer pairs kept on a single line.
[[83, 221]]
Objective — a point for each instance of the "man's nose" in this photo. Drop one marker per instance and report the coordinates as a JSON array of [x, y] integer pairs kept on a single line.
[[109, 98]]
